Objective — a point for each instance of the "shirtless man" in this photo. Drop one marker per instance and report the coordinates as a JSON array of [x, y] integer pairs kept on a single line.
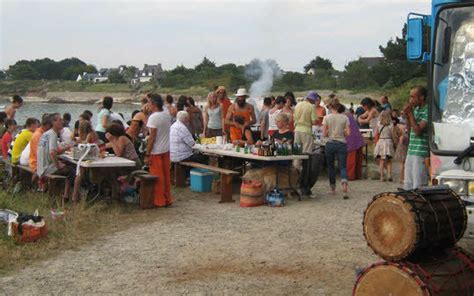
[[243, 110], [16, 104]]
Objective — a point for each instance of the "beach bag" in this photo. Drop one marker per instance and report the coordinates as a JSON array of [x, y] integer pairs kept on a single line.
[[29, 228]]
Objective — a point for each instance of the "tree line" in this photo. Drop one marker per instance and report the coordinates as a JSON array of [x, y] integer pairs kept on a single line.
[[393, 71]]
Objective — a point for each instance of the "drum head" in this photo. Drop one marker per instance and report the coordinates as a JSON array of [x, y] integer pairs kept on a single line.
[[390, 227], [388, 280]]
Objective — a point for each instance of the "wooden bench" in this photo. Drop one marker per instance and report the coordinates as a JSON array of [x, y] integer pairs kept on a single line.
[[55, 183], [24, 174], [226, 177]]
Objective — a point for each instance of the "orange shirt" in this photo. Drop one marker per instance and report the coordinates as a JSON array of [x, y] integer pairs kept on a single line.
[[320, 113], [225, 107], [34, 147]]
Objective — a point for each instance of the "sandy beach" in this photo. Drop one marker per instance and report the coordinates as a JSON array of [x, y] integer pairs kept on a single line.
[[312, 247]]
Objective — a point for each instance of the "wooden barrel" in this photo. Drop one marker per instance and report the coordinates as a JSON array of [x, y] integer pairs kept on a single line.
[[251, 194], [403, 224], [448, 273]]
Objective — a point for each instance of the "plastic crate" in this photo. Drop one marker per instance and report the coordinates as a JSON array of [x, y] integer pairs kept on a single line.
[[201, 180]]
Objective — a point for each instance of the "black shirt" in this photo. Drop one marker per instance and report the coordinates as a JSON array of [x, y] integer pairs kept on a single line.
[[289, 136]]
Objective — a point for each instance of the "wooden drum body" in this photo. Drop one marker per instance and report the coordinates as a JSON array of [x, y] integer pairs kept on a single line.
[[404, 224], [448, 273]]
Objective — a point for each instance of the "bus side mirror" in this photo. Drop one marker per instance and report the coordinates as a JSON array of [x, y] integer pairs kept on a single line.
[[414, 39]]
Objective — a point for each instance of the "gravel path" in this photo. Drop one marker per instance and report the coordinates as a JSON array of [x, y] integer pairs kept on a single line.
[[201, 247]]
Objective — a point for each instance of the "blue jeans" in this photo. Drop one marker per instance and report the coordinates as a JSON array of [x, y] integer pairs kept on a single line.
[[333, 150]]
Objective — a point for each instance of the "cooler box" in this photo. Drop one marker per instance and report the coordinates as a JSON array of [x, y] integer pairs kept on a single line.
[[201, 180]]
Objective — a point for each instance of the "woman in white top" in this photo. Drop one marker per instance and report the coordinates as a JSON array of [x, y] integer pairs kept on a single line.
[[335, 130], [104, 118], [213, 117], [272, 114]]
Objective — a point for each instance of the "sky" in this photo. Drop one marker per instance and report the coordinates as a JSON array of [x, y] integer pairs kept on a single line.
[[112, 33]]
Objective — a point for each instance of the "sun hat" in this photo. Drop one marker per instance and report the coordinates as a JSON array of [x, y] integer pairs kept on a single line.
[[241, 92], [313, 96]]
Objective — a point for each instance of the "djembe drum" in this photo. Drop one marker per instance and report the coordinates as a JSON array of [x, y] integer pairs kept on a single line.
[[404, 224], [450, 272]]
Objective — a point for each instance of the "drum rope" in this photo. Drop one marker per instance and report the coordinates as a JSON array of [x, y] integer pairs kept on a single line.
[[453, 231], [437, 263], [432, 209]]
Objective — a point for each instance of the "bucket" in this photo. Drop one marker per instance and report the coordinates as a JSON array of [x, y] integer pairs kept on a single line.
[[251, 194]]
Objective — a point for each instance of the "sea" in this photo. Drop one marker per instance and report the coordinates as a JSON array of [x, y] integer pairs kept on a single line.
[[36, 110]]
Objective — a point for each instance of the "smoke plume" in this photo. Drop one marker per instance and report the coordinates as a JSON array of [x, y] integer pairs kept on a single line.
[[262, 73]]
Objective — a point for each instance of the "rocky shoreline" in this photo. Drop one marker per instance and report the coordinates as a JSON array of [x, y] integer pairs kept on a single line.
[[77, 97], [71, 97]]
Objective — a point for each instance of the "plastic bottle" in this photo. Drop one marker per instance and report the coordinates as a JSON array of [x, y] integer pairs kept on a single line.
[[246, 149]]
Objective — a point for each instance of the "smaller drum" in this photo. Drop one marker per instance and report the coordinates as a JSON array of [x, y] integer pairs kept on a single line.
[[251, 194], [448, 273], [404, 224]]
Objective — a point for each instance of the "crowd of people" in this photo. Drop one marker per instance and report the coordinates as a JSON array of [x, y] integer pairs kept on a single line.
[[162, 132]]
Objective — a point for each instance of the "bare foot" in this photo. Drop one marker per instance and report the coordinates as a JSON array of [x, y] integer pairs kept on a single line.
[[345, 189]]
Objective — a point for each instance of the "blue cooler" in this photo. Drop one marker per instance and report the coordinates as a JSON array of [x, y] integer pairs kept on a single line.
[[201, 180]]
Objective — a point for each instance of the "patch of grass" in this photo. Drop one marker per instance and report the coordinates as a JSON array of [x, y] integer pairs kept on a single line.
[[82, 224]]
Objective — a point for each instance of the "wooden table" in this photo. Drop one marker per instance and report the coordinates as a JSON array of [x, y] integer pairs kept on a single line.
[[108, 163], [241, 155]]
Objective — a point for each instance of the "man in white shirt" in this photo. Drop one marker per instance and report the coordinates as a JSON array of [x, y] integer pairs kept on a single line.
[[182, 142], [158, 151]]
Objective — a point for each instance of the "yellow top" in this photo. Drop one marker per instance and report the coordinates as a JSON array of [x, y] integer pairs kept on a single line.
[[304, 116], [20, 144]]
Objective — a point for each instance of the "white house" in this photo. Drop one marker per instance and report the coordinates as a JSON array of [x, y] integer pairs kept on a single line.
[[148, 73], [311, 72]]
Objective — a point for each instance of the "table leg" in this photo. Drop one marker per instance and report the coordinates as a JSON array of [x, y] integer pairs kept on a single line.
[[180, 175], [226, 189], [367, 159]]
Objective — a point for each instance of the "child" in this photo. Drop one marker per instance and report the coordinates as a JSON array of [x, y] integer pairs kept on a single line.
[[87, 135], [23, 138], [243, 135], [401, 136], [384, 149], [10, 125], [3, 117]]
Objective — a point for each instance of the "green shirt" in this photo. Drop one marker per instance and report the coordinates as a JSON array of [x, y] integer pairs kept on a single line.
[[418, 145]]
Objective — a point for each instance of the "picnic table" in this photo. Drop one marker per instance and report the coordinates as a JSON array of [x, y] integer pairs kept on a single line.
[[212, 151], [106, 162], [104, 167], [209, 150]]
